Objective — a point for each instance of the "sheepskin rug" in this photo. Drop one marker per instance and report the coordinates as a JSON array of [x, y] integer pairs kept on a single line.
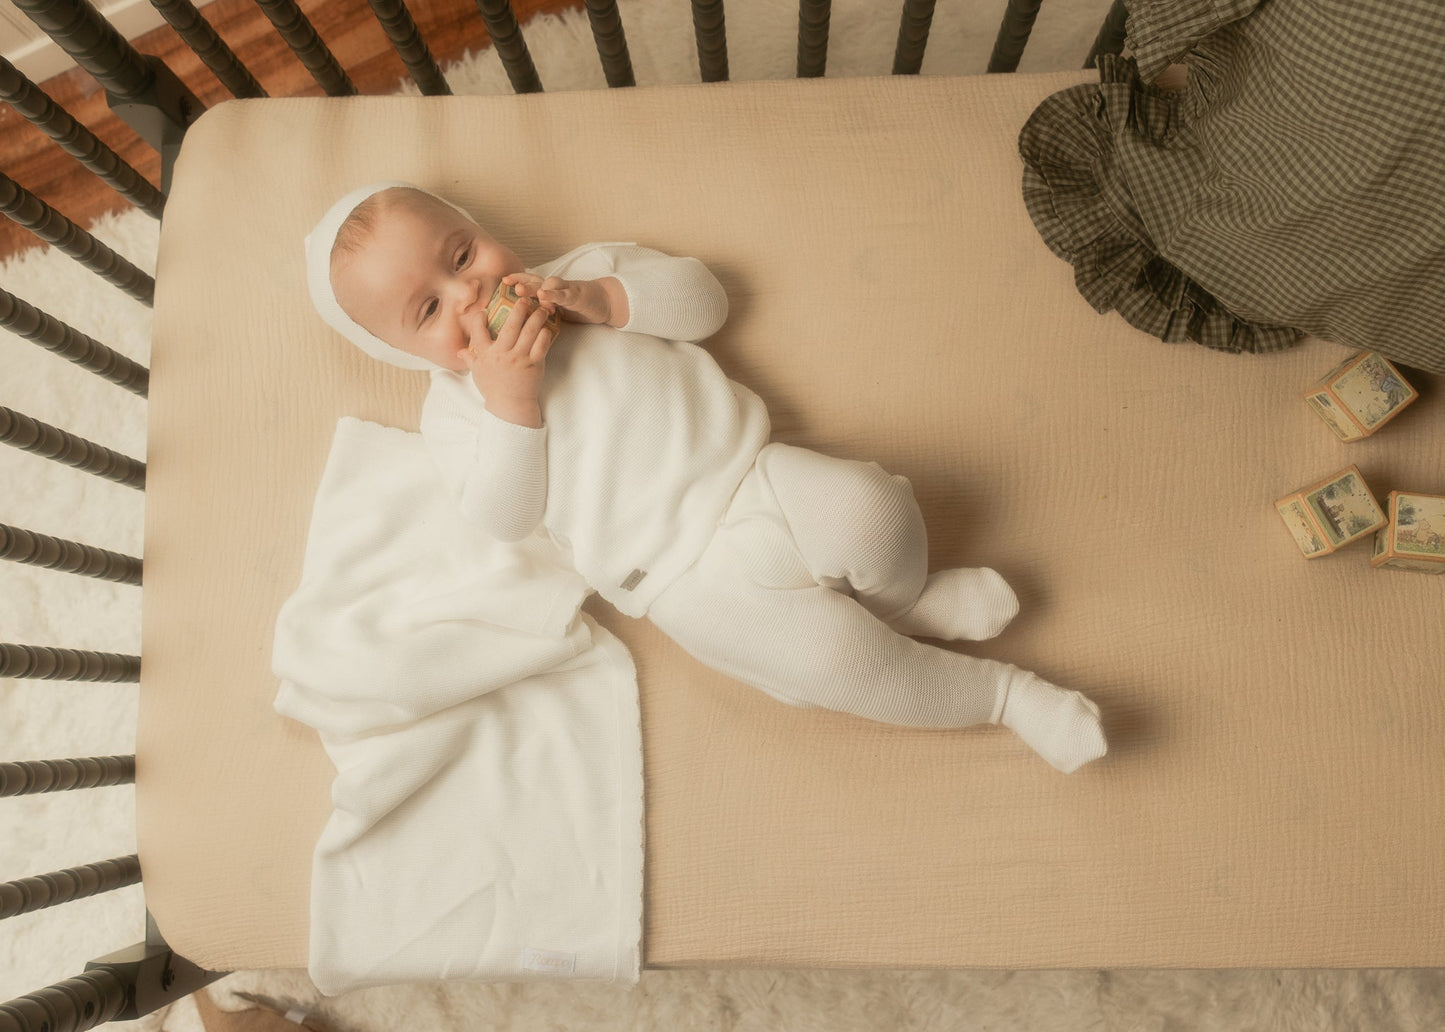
[[44, 719]]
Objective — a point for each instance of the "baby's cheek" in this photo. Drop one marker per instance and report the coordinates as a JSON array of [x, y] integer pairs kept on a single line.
[[471, 331]]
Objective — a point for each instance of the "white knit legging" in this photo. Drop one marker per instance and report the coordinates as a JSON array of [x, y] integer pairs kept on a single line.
[[795, 593]]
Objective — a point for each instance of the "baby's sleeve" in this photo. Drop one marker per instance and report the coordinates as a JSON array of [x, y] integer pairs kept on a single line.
[[497, 471], [669, 297]]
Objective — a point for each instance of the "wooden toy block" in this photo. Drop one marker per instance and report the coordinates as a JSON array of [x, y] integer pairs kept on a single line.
[[1414, 538], [1360, 395], [1332, 513], [504, 299]]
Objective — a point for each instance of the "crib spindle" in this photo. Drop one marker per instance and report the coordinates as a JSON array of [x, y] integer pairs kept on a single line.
[[123, 985], [54, 228], [813, 17], [76, 140], [1110, 39], [611, 42], [31, 435], [1013, 35], [511, 47], [51, 890], [140, 89], [25, 320], [52, 553], [87, 37], [301, 37], [710, 26], [34, 777], [73, 1005], [197, 34], [42, 663], [406, 39], [913, 29]]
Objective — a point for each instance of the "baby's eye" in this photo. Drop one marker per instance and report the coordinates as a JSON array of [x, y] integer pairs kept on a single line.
[[428, 309], [465, 257]]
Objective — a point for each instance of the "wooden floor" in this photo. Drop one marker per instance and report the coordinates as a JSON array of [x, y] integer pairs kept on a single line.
[[450, 27]]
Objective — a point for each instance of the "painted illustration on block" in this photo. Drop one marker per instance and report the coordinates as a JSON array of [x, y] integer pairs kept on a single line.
[[1299, 525], [1337, 421], [1420, 525], [1373, 391], [1345, 509]]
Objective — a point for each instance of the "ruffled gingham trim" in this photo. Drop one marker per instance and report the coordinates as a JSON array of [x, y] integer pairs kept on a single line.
[[1087, 217]]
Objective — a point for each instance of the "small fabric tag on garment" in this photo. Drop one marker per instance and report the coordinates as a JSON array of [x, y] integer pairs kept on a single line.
[[633, 579], [549, 962]]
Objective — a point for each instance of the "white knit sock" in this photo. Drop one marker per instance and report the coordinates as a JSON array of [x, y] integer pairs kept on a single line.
[[1061, 726], [960, 605]]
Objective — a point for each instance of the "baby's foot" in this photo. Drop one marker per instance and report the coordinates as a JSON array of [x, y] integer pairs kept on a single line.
[[960, 605], [1061, 726]]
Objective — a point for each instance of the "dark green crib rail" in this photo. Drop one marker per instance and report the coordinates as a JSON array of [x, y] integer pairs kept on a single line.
[[159, 107]]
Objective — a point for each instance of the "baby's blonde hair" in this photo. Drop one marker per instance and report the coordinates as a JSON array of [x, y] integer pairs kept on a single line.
[[356, 230]]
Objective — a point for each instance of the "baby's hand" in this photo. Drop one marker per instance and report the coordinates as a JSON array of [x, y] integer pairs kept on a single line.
[[508, 371], [583, 301]]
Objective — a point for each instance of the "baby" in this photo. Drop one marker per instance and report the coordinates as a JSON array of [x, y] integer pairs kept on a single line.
[[625, 444]]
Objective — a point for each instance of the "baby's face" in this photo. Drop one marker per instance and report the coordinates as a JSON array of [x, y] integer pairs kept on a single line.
[[422, 279]]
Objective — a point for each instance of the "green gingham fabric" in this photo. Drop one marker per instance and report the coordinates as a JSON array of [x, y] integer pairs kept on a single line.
[[1295, 185]]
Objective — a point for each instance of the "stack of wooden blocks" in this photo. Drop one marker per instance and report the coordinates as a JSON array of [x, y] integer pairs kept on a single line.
[[1355, 399]]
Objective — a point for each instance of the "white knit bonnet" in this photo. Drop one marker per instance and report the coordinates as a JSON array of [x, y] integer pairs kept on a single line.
[[318, 277]]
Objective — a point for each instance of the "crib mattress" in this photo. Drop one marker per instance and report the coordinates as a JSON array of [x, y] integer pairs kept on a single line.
[[1271, 795]]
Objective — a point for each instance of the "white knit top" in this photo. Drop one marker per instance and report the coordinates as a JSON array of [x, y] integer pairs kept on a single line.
[[644, 439]]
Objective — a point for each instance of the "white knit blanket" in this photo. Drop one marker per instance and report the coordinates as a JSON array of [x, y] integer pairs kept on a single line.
[[487, 808]]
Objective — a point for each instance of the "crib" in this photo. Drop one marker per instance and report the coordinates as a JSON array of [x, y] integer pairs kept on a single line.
[[1396, 900]]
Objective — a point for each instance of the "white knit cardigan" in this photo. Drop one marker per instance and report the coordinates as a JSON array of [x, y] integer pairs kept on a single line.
[[644, 439]]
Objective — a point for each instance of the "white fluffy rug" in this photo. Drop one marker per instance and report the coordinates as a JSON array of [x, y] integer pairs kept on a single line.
[[43, 719]]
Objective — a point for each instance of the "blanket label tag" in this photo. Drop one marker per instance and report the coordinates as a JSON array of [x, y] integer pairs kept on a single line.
[[633, 579], [549, 961]]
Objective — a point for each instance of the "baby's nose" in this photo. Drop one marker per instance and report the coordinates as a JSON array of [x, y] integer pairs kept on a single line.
[[466, 293]]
